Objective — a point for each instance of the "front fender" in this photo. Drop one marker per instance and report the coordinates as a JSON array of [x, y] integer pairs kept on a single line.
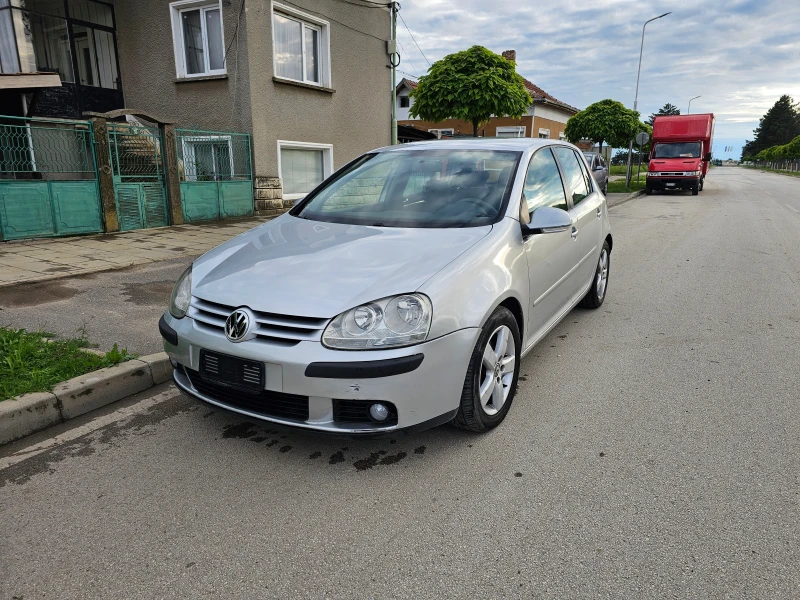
[[470, 288]]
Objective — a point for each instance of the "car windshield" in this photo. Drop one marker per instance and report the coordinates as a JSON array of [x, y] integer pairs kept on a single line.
[[416, 188], [682, 150]]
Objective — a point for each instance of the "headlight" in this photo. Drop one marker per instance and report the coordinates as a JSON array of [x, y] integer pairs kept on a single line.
[[388, 323], [692, 173], [181, 295]]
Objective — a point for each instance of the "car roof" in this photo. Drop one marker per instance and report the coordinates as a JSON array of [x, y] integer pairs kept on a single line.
[[517, 144]]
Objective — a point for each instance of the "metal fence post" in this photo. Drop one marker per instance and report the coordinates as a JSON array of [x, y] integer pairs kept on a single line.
[[104, 174], [171, 173]]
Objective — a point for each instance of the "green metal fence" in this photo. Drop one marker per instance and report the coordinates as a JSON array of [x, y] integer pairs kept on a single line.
[[137, 169], [48, 178], [216, 178]]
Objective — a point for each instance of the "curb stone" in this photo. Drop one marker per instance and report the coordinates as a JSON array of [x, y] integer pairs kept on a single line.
[[627, 198], [27, 414], [34, 412]]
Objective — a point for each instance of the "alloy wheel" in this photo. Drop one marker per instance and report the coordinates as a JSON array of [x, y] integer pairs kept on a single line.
[[497, 370], [602, 274]]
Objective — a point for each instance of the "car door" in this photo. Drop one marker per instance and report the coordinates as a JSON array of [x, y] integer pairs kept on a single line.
[[586, 212], [551, 257]]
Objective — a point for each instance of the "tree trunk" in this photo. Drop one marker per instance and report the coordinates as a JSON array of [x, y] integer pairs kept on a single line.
[[475, 128]]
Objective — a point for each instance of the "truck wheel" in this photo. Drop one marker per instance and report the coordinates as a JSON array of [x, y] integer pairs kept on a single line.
[[648, 190], [696, 190], [700, 188]]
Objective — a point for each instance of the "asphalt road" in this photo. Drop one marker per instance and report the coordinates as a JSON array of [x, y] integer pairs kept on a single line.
[[653, 451]]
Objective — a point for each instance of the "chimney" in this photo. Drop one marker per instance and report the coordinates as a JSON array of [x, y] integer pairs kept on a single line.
[[510, 55]]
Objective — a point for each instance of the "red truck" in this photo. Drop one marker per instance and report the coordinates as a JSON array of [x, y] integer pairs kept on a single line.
[[680, 152]]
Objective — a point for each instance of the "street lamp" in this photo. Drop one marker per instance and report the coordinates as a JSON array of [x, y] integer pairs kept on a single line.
[[689, 110], [636, 97]]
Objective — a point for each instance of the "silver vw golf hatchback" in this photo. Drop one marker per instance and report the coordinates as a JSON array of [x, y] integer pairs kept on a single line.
[[401, 293]]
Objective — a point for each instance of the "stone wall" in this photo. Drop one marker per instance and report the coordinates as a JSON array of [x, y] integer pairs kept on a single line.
[[268, 197]]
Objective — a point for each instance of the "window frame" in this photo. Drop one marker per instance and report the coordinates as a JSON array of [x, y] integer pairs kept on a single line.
[[309, 21], [407, 100], [523, 129], [567, 196], [188, 150], [565, 179], [179, 44], [327, 162], [546, 133], [446, 131]]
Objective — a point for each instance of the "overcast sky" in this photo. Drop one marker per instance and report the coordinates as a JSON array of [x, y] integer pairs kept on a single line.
[[740, 55]]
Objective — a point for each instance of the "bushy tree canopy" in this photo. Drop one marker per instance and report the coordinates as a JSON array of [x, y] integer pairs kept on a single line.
[[779, 126], [605, 121], [667, 109], [471, 85]]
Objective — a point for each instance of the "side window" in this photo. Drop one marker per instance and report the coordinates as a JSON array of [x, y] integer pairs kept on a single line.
[[574, 172], [543, 185]]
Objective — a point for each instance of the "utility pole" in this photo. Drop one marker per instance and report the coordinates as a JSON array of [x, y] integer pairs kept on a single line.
[[394, 60], [636, 99]]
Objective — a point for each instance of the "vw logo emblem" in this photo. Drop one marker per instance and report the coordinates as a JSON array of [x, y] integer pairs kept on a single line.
[[237, 325]]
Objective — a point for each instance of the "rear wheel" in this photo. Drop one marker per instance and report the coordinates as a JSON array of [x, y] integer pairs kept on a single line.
[[597, 292], [491, 380]]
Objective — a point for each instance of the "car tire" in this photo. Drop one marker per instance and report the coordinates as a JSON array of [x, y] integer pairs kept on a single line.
[[500, 383], [597, 291]]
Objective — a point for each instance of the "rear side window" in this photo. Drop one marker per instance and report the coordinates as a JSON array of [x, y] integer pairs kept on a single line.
[[574, 172], [543, 186]]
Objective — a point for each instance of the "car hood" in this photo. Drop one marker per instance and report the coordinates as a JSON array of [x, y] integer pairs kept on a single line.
[[299, 267], [675, 164]]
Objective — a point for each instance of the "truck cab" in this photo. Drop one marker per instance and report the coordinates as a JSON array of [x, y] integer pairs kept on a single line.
[[680, 152]]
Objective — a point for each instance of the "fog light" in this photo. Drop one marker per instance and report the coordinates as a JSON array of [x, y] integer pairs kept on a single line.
[[378, 412]]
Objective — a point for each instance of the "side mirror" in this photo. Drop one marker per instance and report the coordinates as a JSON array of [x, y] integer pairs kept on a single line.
[[598, 168], [707, 157], [547, 219]]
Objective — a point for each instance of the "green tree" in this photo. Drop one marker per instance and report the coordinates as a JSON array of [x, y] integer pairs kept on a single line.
[[471, 85], [667, 109], [780, 125], [605, 121]]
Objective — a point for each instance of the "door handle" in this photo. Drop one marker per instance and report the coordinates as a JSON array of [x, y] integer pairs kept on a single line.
[[599, 212], [574, 232]]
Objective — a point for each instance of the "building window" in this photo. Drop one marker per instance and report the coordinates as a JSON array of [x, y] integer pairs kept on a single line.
[[303, 166], [403, 101], [515, 131], [544, 134], [301, 46], [207, 158], [440, 132], [561, 136], [198, 38]]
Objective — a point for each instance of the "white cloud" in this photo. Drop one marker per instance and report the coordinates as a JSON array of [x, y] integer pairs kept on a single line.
[[740, 55]]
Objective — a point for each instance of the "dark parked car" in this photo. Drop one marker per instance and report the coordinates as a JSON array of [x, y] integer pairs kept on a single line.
[[599, 168]]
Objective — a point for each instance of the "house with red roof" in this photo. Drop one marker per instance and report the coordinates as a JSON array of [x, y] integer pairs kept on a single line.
[[546, 118]]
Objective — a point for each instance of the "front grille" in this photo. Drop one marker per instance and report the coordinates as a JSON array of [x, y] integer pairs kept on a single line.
[[270, 328], [357, 411], [265, 402]]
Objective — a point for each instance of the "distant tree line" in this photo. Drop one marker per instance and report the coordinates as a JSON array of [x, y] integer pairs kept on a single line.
[[777, 138]]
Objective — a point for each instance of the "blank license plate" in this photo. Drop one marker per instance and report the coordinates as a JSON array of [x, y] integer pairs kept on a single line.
[[232, 371]]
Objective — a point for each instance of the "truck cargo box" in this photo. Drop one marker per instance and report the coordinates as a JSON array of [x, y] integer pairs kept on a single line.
[[683, 127]]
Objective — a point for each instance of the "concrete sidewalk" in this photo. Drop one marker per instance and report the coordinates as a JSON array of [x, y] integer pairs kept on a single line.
[[42, 259]]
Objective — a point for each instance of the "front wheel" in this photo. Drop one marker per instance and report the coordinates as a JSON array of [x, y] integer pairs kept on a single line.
[[597, 291], [700, 186], [491, 380]]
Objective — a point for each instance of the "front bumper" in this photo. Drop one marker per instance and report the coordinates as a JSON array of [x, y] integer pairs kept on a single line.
[[673, 183], [425, 395]]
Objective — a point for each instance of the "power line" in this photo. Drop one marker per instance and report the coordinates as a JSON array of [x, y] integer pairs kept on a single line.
[[408, 60], [335, 21], [415, 41]]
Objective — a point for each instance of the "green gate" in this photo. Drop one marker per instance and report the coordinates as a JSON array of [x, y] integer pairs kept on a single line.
[[215, 174], [137, 168], [48, 178]]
